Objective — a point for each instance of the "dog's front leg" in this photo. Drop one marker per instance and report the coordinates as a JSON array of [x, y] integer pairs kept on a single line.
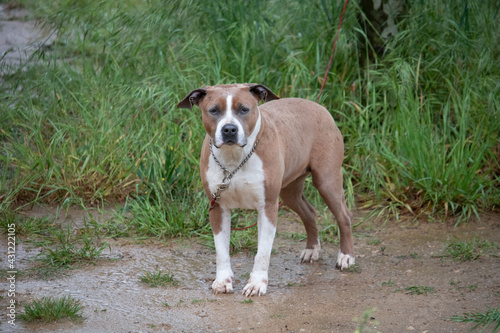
[[220, 220], [257, 284]]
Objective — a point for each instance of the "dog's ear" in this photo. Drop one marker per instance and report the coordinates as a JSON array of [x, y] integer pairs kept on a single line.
[[262, 92], [193, 98]]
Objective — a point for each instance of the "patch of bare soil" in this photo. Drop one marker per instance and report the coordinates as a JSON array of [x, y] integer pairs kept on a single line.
[[301, 297]]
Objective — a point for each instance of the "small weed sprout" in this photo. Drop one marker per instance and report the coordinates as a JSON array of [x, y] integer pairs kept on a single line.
[[374, 242], [365, 321], [195, 301], [158, 279], [389, 283], [467, 250], [354, 268], [419, 290], [69, 252]]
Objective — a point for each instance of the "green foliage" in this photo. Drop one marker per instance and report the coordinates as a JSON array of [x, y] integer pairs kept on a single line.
[[389, 283], [419, 290], [354, 268], [365, 322], [329, 234], [94, 118], [373, 242], [415, 290], [158, 279], [244, 240], [162, 219], [38, 231], [467, 250], [489, 318], [70, 251], [50, 309]]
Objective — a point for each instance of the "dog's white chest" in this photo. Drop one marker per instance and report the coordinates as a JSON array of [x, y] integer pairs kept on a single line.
[[246, 189]]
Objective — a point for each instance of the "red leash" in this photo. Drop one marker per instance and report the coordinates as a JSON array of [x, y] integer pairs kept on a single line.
[[333, 50], [251, 226]]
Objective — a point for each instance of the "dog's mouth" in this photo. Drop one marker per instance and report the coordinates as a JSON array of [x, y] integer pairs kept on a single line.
[[229, 143]]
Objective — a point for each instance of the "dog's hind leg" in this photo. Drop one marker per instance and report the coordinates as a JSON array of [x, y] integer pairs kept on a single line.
[[329, 184], [292, 197]]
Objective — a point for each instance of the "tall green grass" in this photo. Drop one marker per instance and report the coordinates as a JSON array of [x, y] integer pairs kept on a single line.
[[93, 118]]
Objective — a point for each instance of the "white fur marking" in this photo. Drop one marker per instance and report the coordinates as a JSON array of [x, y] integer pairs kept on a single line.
[[257, 284], [345, 260], [224, 277], [229, 119], [247, 185], [310, 255]]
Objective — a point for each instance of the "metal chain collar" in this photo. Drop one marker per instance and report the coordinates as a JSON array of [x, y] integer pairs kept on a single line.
[[228, 175]]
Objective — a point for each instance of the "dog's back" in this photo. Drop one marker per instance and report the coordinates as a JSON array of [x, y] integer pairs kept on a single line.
[[306, 132]]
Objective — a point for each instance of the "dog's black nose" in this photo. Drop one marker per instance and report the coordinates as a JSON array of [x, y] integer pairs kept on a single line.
[[229, 133]]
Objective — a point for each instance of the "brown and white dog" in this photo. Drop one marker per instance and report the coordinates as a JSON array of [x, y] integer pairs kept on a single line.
[[252, 155]]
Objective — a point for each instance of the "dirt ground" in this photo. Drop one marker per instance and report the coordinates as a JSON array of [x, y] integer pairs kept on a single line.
[[301, 297]]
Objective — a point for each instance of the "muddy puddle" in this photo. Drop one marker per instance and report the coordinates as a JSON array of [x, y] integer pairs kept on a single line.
[[301, 297]]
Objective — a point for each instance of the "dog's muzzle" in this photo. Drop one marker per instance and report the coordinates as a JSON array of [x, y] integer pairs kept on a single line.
[[229, 134]]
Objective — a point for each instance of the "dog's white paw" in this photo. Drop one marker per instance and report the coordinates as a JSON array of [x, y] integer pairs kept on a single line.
[[223, 286], [310, 255], [344, 260], [257, 284]]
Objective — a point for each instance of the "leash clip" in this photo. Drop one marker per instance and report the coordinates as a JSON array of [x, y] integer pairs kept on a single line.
[[225, 181], [222, 187]]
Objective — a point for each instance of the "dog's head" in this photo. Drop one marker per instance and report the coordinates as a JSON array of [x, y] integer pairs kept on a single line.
[[229, 112]]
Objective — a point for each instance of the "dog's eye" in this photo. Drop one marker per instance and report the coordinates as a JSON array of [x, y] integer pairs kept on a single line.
[[213, 111], [244, 109]]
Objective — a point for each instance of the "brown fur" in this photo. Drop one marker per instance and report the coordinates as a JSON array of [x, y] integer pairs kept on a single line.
[[297, 137]]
